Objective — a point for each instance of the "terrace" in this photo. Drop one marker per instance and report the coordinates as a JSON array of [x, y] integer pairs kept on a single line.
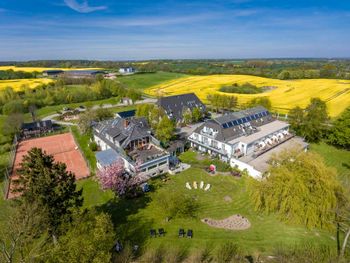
[[146, 153]]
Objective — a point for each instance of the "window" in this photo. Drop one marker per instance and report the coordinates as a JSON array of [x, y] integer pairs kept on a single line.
[[162, 163]]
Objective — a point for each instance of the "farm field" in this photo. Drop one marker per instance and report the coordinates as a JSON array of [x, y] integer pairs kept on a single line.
[[21, 84], [284, 95], [38, 69], [146, 80]]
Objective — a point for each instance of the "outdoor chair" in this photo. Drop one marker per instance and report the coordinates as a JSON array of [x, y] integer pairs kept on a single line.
[[207, 187], [153, 233], [161, 232], [189, 233], [181, 232]]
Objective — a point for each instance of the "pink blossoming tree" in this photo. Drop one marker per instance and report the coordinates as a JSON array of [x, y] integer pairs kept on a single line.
[[113, 177]]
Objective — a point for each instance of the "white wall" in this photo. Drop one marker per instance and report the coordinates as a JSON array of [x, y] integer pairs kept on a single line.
[[241, 166]]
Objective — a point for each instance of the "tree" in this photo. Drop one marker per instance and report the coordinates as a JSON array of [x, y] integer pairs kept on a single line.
[[296, 119], [197, 115], [316, 118], [86, 118], [18, 234], [14, 106], [89, 239], [261, 101], [165, 129], [47, 183], [300, 189], [113, 178], [339, 134], [13, 123], [312, 122], [187, 116]]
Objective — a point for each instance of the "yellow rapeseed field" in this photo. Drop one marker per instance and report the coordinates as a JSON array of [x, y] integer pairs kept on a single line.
[[284, 95], [20, 84], [39, 69]]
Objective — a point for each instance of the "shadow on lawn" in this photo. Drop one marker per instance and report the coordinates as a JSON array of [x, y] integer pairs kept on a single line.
[[131, 228]]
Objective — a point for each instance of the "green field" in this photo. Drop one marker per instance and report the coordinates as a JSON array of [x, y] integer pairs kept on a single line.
[[146, 80], [337, 158]]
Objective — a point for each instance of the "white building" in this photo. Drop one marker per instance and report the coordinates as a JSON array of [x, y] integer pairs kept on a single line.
[[127, 70], [241, 137]]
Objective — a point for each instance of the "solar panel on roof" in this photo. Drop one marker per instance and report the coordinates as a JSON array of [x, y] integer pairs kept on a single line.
[[229, 124], [235, 122], [249, 118], [225, 125]]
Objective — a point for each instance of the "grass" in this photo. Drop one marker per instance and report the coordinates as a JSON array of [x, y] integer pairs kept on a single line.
[[286, 95], [22, 84], [134, 218], [204, 161], [335, 157], [92, 194], [83, 140], [146, 80]]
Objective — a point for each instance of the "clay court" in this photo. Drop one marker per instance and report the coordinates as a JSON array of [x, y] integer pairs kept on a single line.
[[62, 147]]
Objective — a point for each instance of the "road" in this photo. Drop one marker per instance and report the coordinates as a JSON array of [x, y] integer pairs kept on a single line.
[[105, 106]]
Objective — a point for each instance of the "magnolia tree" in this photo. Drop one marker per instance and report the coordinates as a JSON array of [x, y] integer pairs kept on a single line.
[[113, 177]]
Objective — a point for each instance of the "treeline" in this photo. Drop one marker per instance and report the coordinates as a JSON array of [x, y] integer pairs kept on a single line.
[[272, 68], [221, 102], [314, 124], [246, 88], [11, 74], [59, 93]]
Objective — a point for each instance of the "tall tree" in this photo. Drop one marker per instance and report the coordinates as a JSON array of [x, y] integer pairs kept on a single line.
[[300, 189], [18, 235], [47, 183], [296, 119], [340, 132], [165, 130], [312, 122], [13, 124], [90, 238], [315, 121]]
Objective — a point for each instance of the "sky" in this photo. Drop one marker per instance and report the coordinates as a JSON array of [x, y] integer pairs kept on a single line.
[[169, 29]]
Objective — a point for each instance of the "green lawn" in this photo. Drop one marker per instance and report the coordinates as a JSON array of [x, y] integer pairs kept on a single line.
[[134, 218], [337, 158], [204, 161], [83, 140], [146, 80]]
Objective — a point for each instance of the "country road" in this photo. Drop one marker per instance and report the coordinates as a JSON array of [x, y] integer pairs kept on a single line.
[[105, 106]]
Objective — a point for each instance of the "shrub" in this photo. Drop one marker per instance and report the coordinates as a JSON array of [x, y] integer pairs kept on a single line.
[[226, 253], [93, 146]]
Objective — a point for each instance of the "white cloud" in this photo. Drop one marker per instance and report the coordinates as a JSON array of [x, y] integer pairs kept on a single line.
[[83, 7]]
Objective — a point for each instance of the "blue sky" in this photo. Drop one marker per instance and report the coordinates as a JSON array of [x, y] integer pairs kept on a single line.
[[153, 29]]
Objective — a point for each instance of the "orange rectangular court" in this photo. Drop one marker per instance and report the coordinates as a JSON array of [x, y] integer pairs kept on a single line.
[[61, 146]]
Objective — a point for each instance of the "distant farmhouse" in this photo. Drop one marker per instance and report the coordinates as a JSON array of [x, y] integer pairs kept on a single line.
[[53, 73], [127, 70], [83, 73], [36, 128], [243, 138], [175, 106], [130, 140]]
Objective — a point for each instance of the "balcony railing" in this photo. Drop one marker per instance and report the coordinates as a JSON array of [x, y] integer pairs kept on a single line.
[[208, 146]]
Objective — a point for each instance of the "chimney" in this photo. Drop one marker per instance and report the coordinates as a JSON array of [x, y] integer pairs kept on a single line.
[[126, 123]]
